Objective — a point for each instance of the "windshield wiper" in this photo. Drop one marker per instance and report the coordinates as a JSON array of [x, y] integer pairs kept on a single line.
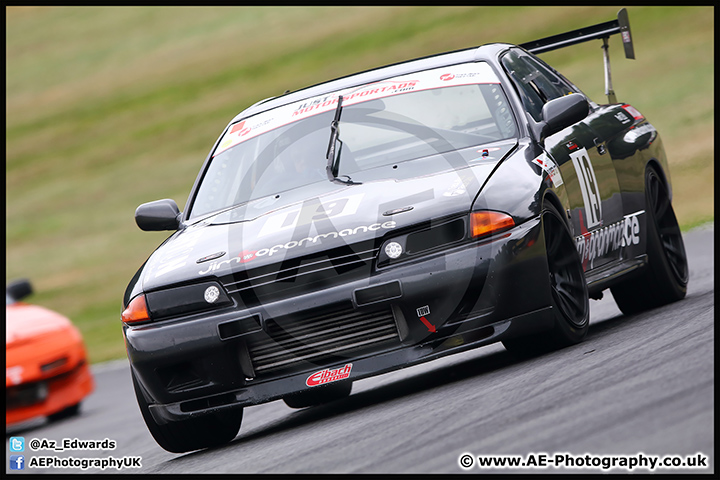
[[335, 148]]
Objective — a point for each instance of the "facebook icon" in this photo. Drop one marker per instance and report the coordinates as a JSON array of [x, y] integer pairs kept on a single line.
[[17, 462]]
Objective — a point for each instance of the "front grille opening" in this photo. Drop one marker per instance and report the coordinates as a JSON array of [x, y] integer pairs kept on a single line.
[[436, 236], [294, 341], [296, 276]]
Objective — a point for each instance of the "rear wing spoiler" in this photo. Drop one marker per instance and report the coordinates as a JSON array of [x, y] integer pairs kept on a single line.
[[599, 31]]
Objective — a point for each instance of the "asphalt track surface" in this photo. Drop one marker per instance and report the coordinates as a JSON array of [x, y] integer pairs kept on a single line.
[[638, 384]]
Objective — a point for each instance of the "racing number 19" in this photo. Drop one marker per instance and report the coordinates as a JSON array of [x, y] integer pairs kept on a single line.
[[588, 186]]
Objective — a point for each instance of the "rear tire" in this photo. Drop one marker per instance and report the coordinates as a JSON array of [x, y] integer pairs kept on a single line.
[[192, 434], [666, 276], [569, 292], [319, 395]]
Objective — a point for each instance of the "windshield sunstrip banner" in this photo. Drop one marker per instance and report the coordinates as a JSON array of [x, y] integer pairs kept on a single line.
[[453, 75]]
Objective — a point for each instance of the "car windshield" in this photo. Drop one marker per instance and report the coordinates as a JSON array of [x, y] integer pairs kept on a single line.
[[399, 120]]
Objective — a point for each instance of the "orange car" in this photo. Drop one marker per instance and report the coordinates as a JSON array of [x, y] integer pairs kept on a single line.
[[46, 368]]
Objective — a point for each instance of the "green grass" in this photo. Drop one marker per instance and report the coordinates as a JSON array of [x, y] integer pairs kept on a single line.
[[111, 107]]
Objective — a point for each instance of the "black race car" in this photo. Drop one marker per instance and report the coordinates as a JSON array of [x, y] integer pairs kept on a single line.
[[392, 217]]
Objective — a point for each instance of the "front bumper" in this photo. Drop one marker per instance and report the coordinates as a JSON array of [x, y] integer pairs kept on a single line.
[[48, 396], [461, 298]]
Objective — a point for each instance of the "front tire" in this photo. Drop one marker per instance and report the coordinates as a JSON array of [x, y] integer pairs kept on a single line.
[[568, 289], [666, 276], [192, 434]]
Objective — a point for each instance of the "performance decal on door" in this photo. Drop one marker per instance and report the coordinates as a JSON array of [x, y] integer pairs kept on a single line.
[[624, 233], [588, 186]]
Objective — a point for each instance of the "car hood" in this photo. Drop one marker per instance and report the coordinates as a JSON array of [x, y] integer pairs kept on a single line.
[[318, 217], [26, 322]]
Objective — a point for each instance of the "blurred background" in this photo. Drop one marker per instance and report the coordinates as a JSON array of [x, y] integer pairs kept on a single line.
[[111, 107]]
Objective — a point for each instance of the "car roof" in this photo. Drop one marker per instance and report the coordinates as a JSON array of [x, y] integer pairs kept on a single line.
[[486, 52]]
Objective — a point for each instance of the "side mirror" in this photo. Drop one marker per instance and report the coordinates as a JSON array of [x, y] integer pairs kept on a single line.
[[560, 113], [19, 289], [158, 215]]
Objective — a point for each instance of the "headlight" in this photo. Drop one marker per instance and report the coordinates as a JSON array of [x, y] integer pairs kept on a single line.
[[443, 235], [393, 249], [423, 240], [176, 301]]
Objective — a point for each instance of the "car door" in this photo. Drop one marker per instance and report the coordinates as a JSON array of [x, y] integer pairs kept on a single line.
[[581, 154]]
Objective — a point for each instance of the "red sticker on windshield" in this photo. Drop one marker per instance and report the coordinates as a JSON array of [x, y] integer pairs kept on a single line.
[[633, 111]]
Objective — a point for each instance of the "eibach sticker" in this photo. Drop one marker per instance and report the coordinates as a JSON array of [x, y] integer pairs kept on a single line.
[[462, 74], [326, 376]]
